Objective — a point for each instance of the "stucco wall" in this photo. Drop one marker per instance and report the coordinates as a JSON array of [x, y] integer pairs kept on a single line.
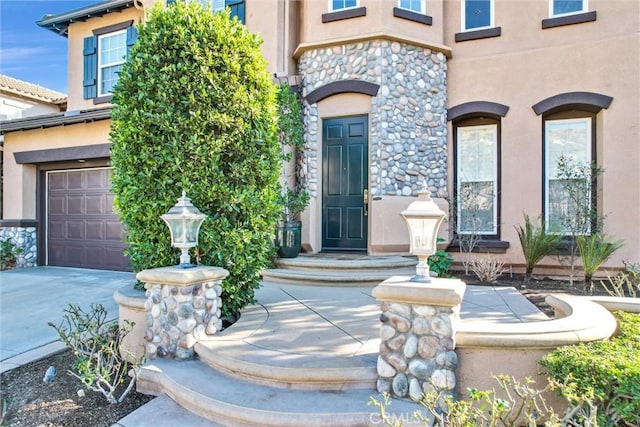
[[526, 65], [19, 198]]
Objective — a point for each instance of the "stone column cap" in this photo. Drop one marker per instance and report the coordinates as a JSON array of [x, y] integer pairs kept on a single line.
[[177, 276], [440, 292]]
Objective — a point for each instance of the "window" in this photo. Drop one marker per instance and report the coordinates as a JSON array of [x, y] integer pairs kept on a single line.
[[477, 166], [104, 54], [112, 55], [568, 142], [477, 14], [566, 7], [417, 6], [236, 6], [342, 4]]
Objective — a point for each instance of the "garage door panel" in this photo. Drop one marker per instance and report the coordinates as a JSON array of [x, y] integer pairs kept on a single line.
[[75, 230], [75, 181], [82, 229], [95, 204], [75, 205], [97, 179], [57, 205], [95, 230], [113, 231]]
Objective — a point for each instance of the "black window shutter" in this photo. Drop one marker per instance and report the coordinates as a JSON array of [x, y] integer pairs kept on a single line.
[[237, 8], [132, 36], [90, 77]]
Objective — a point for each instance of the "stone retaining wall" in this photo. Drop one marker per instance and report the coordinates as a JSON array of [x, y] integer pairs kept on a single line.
[[25, 238]]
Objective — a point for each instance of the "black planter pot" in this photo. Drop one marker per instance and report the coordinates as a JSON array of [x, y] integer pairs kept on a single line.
[[288, 239]]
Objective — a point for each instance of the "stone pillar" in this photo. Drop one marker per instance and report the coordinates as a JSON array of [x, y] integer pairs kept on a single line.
[[181, 304], [418, 336]]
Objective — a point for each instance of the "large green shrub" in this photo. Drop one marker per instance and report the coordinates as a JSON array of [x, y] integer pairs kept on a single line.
[[195, 111], [609, 370]]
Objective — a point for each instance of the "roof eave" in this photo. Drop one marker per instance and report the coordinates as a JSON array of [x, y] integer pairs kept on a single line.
[[59, 24]]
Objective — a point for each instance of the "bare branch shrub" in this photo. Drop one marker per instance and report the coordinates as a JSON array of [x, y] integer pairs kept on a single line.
[[97, 345], [488, 269]]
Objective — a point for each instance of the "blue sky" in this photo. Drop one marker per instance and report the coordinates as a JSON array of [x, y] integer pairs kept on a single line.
[[29, 52]]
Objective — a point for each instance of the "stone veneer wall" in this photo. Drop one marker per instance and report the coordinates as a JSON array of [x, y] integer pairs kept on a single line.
[[407, 123], [25, 238]]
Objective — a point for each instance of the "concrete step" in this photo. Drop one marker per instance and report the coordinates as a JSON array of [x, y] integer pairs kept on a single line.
[[294, 371], [346, 262], [228, 401], [327, 277], [163, 412]]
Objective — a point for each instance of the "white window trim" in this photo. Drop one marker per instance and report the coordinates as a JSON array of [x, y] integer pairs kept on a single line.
[[547, 163], [331, 9], [110, 64], [459, 181], [585, 8], [463, 18], [423, 7]]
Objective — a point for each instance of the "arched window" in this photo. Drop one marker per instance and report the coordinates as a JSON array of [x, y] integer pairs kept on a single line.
[[476, 141], [569, 152]]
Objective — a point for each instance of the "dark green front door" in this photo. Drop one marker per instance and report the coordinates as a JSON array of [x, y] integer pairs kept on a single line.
[[344, 184]]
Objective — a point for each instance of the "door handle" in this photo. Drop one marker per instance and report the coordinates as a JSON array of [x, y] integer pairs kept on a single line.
[[366, 202]]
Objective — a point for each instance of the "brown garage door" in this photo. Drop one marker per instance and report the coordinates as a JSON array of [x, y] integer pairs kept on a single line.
[[82, 230]]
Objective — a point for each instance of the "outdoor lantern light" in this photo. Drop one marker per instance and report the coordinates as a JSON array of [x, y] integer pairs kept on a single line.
[[184, 221], [423, 218]]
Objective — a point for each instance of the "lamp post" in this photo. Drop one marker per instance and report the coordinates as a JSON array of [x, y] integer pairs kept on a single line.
[[423, 218], [184, 221]]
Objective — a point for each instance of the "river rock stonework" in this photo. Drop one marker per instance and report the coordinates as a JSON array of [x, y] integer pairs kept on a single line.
[[182, 308], [407, 122], [418, 338], [26, 239]]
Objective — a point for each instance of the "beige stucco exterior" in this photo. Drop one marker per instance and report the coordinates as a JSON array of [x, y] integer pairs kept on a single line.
[[524, 65], [19, 198]]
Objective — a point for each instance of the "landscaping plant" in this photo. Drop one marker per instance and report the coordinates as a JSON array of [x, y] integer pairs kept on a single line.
[[195, 110], [487, 268], [97, 346], [581, 217], [440, 262], [535, 243], [513, 404], [607, 370], [625, 284], [8, 254], [594, 250]]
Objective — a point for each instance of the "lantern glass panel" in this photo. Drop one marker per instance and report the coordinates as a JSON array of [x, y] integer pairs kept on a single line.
[[423, 234]]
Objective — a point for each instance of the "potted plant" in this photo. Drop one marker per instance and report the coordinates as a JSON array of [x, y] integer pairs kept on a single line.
[[288, 230], [293, 200]]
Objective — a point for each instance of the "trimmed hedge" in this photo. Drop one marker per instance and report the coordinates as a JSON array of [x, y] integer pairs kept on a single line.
[[195, 111], [608, 370]]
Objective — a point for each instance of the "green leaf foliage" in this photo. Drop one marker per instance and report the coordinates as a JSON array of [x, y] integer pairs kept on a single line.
[[594, 250], [536, 244], [609, 370], [195, 111]]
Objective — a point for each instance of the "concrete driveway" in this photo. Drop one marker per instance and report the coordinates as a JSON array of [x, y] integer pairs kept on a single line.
[[32, 297]]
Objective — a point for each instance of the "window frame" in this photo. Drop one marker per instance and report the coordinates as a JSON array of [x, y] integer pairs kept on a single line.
[[567, 117], [463, 17], [331, 9], [423, 7], [585, 8], [101, 37], [475, 122]]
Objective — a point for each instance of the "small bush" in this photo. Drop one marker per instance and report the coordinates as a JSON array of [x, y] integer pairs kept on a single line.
[[609, 370], [594, 250], [625, 284], [536, 244], [440, 262], [8, 254], [488, 269], [97, 345], [514, 403]]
